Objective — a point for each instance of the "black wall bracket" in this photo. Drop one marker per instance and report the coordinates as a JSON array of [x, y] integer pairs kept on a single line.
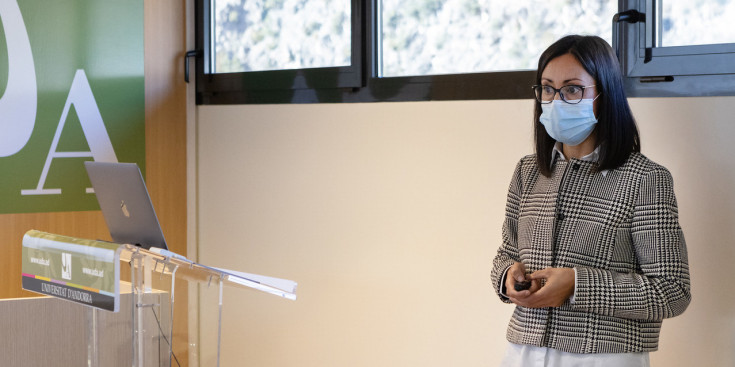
[[192, 53]]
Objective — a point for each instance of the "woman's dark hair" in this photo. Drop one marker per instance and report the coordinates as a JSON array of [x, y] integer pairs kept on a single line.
[[617, 134]]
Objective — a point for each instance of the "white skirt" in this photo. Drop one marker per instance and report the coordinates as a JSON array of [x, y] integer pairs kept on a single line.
[[531, 356]]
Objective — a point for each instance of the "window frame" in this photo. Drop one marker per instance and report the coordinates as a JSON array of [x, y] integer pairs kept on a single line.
[[212, 87], [675, 71], [653, 79]]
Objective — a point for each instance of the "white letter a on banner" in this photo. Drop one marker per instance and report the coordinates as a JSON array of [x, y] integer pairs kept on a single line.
[[100, 146]]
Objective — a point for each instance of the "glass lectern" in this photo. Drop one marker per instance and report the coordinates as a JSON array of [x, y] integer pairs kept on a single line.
[[126, 323]]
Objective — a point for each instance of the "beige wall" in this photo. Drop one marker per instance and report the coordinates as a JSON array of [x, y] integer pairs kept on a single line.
[[388, 215]]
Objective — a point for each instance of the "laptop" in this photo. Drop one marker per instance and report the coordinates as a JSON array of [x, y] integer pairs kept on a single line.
[[125, 204]]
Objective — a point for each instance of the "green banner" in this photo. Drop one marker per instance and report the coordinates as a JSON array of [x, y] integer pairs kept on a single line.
[[71, 90], [78, 270]]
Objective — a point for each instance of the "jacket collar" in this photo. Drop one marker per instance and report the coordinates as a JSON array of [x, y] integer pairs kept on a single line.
[[592, 157]]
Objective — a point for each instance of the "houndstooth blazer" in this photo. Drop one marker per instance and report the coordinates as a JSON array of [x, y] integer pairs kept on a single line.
[[620, 231]]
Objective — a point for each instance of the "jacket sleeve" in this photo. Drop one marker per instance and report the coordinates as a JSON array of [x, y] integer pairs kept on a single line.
[[507, 253], [661, 287]]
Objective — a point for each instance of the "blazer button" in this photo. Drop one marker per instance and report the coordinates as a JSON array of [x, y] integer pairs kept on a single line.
[[576, 166], [560, 216]]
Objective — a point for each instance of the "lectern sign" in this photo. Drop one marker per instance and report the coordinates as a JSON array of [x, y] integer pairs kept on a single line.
[[78, 270]]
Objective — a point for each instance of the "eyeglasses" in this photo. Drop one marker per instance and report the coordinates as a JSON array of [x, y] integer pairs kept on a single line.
[[571, 94]]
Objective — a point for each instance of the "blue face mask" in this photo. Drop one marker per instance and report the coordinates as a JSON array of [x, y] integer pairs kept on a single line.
[[567, 123]]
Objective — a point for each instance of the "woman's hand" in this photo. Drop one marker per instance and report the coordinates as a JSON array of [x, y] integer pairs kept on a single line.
[[516, 274], [558, 287]]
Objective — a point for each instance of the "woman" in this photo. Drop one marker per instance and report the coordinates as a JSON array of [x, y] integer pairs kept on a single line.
[[590, 223]]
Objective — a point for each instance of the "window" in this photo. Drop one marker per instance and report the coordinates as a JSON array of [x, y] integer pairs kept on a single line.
[[280, 35], [687, 23], [681, 48], [253, 50], [295, 51], [471, 36]]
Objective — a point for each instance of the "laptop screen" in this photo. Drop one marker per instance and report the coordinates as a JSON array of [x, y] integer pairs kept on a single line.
[[125, 204]]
